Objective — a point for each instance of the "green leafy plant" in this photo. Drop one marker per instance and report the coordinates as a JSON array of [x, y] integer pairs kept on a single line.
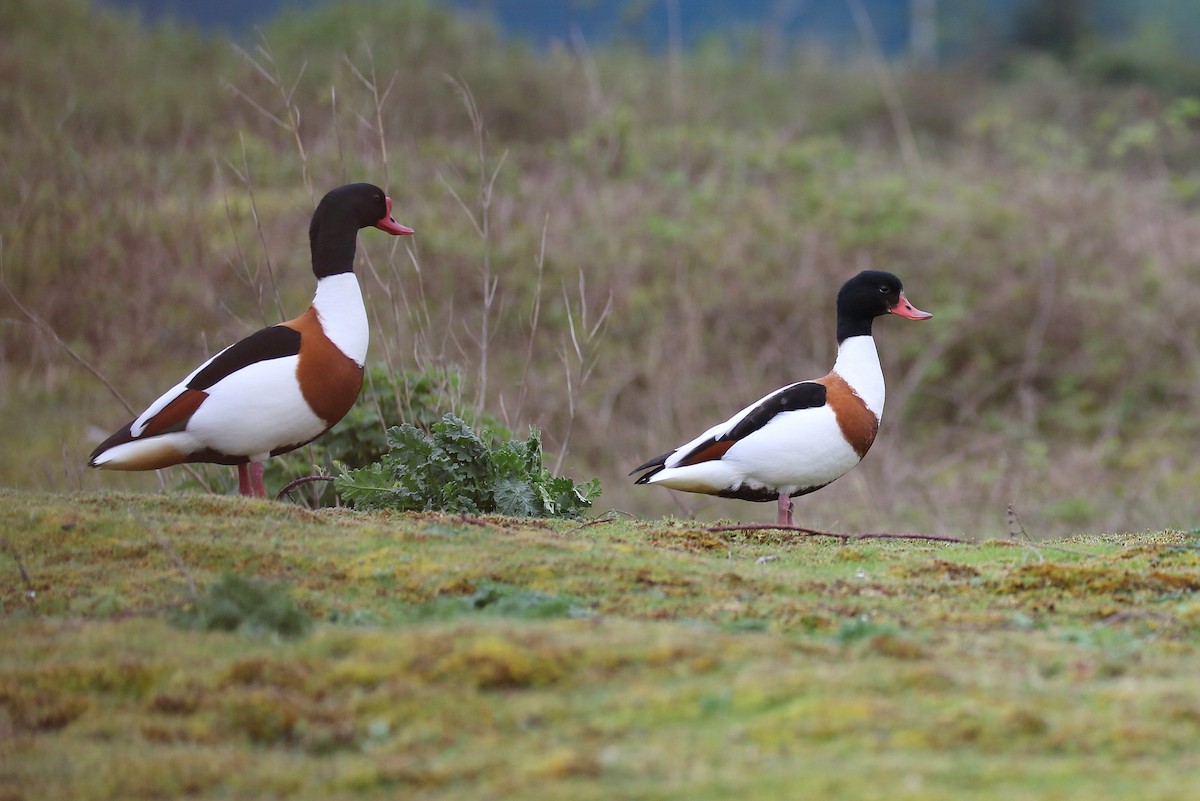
[[453, 469]]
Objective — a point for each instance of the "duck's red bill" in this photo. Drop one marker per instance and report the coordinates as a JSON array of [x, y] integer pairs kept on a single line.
[[391, 226], [909, 311]]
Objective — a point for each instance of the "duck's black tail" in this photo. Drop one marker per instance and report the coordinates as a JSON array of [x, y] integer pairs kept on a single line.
[[654, 465]]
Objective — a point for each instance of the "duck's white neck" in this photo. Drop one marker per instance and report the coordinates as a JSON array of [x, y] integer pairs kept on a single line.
[[858, 363], [339, 305]]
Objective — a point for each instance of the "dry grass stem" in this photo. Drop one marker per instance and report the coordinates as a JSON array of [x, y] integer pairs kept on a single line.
[[887, 86], [30, 593]]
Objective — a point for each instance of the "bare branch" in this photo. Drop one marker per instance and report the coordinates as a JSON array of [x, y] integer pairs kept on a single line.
[[287, 489], [844, 536], [41, 325]]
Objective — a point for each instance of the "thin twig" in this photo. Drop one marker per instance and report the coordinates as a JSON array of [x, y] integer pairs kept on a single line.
[[372, 85], [487, 184], [42, 325], [300, 482], [584, 343], [609, 517], [1017, 532], [843, 536], [248, 182], [274, 76], [30, 592], [249, 276], [254, 104], [891, 95], [590, 72], [534, 318], [1018, 535]]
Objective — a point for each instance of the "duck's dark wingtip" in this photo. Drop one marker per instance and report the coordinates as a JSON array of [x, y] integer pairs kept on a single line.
[[119, 437], [654, 465]]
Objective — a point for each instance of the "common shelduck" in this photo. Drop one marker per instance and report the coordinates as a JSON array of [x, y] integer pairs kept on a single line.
[[803, 436], [281, 387]]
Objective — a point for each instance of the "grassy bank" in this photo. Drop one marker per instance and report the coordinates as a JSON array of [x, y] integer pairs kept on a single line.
[[496, 658]]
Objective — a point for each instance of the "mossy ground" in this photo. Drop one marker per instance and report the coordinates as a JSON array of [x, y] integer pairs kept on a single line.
[[626, 659]]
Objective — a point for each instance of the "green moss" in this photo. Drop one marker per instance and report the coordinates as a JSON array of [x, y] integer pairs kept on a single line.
[[446, 659], [495, 663], [1097, 580], [32, 710], [265, 716], [267, 672]]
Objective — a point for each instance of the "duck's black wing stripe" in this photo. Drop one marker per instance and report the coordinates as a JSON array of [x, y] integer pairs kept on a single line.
[[274, 342], [804, 395]]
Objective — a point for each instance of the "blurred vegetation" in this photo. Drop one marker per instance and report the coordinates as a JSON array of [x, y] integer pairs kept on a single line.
[[664, 243], [247, 605]]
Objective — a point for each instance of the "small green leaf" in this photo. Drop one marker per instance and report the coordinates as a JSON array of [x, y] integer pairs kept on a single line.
[[515, 498]]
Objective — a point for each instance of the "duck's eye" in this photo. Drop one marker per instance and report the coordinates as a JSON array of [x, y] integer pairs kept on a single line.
[[884, 289]]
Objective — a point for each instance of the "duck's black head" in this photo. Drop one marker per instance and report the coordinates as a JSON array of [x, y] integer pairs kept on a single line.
[[871, 294], [339, 216]]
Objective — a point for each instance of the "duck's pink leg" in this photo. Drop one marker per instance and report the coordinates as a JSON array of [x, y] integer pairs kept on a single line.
[[785, 510], [256, 480], [250, 480]]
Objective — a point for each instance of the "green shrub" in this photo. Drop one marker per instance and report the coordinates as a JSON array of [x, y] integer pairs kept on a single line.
[[453, 469]]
